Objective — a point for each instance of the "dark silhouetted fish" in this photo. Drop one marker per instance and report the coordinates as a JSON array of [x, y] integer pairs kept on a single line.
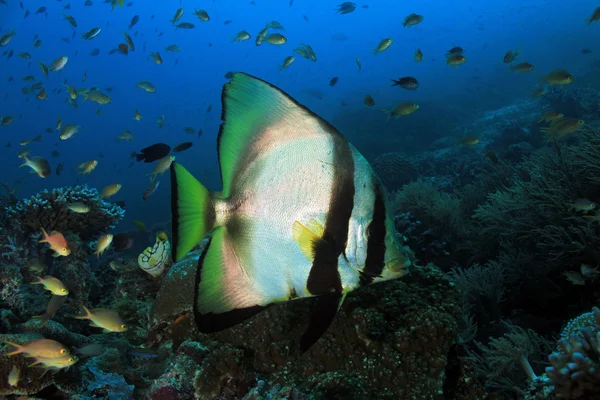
[[408, 83], [122, 242], [153, 153], [455, 50], [182, 146], [134, 21]]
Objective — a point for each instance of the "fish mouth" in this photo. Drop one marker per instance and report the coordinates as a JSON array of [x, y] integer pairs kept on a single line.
[[398, 265]]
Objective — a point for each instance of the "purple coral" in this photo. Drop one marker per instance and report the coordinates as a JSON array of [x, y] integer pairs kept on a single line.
[[575, 370]]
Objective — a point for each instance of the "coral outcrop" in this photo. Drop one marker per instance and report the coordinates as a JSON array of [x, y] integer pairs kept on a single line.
[[391, 339], [49, 209]]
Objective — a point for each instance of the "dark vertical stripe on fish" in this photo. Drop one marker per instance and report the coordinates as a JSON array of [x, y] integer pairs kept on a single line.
[[324, 276], [376, 238]]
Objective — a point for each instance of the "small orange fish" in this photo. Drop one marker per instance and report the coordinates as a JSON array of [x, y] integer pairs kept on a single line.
[[57, 242]]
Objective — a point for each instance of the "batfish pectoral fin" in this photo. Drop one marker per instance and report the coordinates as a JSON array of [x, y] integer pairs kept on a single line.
[[308, 238], [225, 292], [322, 316]]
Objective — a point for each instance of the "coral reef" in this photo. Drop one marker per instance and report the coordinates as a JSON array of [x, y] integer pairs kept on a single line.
[[50, 210], [576, 102], [395, 169], [429, 219], [495, 218]]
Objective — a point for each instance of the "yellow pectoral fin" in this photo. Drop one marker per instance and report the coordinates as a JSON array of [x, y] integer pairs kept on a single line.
[[316, 227], [306, 239]]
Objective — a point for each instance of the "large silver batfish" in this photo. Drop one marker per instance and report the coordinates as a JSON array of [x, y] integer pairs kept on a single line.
[[301, 214]]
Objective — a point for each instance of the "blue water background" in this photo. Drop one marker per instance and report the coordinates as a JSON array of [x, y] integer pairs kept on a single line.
[[550, 34]]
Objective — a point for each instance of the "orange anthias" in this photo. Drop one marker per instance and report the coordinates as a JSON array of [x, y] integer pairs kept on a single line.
[[57, 242]]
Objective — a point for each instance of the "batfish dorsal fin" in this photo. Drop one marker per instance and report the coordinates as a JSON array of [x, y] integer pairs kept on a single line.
[[225, 292], [256, 114]]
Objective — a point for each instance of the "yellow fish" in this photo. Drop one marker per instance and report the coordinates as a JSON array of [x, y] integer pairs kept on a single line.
[[110, 190], [103, 243], [14, 376], [53, 285], [46, 348], [108, 320], [55, 363], [405, 108], [383, 45], [161, 167]]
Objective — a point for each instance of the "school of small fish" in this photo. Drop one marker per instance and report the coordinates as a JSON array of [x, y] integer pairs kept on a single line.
[[38, 78]]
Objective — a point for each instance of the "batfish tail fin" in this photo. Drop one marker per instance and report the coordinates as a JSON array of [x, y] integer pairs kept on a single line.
[[192, 211]]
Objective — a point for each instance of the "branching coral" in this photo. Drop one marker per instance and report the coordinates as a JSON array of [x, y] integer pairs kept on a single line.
[[49, 210], [430, 219], [533, 214], [482, 289], [11, 291], [575, 370], [504, 363]]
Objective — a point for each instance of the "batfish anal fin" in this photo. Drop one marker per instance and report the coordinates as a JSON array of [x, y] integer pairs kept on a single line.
[[322, 316], [225, 293], [209, 323]]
